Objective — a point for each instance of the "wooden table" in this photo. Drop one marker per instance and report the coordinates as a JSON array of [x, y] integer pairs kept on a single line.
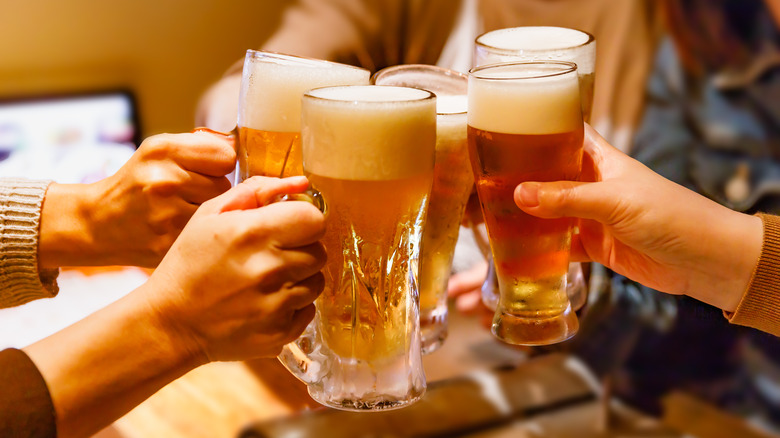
[[219, 399]]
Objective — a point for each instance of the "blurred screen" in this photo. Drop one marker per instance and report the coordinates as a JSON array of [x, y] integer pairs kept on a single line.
[[69, 139]]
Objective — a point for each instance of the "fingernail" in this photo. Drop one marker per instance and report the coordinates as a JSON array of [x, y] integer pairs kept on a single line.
[[529, 194]]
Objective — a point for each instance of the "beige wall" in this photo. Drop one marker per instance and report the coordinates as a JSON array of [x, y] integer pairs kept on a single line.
[[166, 51]]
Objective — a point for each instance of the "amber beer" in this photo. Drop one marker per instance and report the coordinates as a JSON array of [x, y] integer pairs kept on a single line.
[[543, 43], [525, 124], [369, 151], [452, 185], [269, 115]]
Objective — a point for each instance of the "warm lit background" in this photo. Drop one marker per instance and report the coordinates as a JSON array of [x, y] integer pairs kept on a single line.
[[165, 52]]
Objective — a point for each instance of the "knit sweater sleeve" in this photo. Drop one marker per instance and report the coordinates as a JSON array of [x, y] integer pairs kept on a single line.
[[760, 305], [20, 216]]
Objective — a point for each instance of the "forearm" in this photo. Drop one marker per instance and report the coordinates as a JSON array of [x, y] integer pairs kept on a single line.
[[729, 248], [66, 237], [101, 367]]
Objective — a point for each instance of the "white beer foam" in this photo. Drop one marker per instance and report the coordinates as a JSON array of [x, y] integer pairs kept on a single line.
[[451, 104], [451, 128], [368, 132], [271, 92], [537, 43], [534, 38], [533, 105]]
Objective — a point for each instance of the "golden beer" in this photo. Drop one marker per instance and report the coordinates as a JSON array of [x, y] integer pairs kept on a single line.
[[369, 152], [269, 115], [375, 285], [452, 184], [525, 124]]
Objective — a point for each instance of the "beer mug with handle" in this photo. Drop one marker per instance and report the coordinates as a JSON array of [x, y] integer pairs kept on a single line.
[[452, 184], [541, 43], [368, 152]]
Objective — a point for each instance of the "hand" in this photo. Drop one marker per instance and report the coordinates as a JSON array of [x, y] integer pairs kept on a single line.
[[650, 229], [240, 280], [133, 216], [466, 288]]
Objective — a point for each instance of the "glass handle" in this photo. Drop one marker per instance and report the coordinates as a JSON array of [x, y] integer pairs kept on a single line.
[[304, 357], [312, 196]]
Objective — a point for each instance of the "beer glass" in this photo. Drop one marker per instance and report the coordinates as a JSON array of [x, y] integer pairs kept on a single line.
[[368, 151], [542, 43], [452, 182], [525, 124], [269, 109]]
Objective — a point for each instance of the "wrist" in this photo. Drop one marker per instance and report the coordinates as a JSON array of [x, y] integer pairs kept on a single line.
[[735, 249], [184, 347], [66, 232]]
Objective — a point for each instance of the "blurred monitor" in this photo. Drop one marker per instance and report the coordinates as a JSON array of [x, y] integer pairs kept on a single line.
[[77, 138]]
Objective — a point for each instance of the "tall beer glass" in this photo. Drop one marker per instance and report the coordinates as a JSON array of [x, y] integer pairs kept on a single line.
[[368, 151], [543, 43], [525, 124], [452, 183], [269, 109]]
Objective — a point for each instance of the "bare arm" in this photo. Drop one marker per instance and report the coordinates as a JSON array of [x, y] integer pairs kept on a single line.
[[238, 283], [650, 229], [133, 216]]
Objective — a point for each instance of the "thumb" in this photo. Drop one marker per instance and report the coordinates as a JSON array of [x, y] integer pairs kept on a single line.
[[585, 200], [254, 192]]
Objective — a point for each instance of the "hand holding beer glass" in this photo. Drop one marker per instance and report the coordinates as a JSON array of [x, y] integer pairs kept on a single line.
[[269, 109], [542, 43], [452, 184], [525, 124], [368, 151]]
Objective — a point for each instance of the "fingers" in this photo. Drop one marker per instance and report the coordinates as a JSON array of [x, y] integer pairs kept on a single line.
[[291, 224], [300, 320], [255, 192], [259, 191], [201, 152], [304, 292], [470, 303], [467, 281], [565, 199], [578, 252], [295, 264], [199, 188]]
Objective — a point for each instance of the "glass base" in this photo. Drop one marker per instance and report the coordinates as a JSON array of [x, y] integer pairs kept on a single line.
[[366, 405], [433, 329], [516, 330], [576, 288]]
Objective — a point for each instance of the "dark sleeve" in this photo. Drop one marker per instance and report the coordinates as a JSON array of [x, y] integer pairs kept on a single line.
[[26, 409]]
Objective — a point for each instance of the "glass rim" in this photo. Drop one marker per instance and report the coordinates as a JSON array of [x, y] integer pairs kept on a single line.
[[308, 95], [427, 68], [299, 60], [568, 67], [478, 43], [401, 67]]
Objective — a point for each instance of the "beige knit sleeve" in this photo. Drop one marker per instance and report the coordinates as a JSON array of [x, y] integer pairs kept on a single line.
[[20, 216], [760, 305]]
